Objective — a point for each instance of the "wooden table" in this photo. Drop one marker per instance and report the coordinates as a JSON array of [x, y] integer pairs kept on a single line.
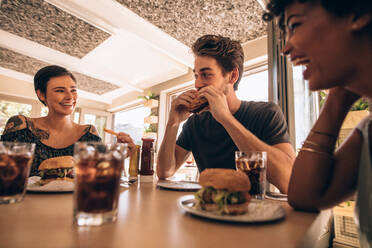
[[148, 217]]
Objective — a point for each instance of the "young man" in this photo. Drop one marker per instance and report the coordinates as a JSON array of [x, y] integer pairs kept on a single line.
[[230, 124]]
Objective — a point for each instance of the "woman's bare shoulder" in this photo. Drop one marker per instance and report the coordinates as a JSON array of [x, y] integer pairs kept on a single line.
[[89, 128], [15, 123]]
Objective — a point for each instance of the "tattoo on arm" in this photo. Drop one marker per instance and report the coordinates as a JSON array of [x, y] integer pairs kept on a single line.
[[87, 129], [13, 124], [41, 134], [92, 129]]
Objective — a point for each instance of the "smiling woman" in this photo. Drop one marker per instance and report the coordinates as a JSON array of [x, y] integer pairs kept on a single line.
[[333, 40], [56, 133]]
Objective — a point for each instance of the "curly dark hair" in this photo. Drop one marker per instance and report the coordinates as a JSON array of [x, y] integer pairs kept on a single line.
[[339, 8], [228, 53], [43, 76]]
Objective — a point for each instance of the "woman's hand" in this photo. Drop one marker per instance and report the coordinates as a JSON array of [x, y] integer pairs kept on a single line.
[[125, 138]]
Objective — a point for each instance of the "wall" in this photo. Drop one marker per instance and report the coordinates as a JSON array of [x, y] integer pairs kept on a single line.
[[255, 49]]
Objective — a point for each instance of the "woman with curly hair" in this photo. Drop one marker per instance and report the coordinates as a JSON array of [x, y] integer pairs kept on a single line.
[[332, 39]]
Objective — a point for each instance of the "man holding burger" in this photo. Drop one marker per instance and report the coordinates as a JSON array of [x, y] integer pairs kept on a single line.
[[228, 124]]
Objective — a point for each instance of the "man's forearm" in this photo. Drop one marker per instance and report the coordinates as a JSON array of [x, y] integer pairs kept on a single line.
[[279, 164], [166, 162]]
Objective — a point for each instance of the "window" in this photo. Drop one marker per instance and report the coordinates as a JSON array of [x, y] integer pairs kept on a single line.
[[98, 121], [166, 98], [76, 115], [305, 106], [254, 86], [9, 109], [172, 97], [44, 111], [132, 122]]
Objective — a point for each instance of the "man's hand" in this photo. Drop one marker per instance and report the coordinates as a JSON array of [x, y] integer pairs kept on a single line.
[[217, 102], [125, 138], [179, 109]]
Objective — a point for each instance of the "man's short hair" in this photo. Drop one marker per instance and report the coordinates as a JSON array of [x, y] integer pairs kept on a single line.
[[228, 53]]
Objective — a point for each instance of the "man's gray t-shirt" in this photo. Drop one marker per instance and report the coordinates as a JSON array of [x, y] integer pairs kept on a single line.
[[211, 145]]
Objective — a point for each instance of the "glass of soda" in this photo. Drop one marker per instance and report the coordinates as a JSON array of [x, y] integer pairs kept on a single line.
[[15, 164], [253, 164], [97, 178]]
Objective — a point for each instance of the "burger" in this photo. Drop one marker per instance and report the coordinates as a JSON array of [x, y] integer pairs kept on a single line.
[[198, 105], [223, 190], [57, 168]]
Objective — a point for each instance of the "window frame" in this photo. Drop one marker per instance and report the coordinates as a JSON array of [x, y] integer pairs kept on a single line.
[[109, 123], [165, 102], [258, 67], [36, 105], [129, 108]]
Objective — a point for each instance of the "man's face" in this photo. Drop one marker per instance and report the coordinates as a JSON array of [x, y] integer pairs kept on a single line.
[[208, 72]]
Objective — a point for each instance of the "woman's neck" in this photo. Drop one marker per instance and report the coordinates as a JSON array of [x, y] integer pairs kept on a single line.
[[361, 80], [58, 122], [362, 73]]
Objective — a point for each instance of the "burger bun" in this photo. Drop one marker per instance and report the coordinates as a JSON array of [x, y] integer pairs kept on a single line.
[[57, 162], [43, 182], [229, 179], [198, 105]]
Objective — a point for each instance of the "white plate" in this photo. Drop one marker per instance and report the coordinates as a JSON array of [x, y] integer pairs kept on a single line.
[[179, 185], [55, 186], [276, 196], [258, 211]]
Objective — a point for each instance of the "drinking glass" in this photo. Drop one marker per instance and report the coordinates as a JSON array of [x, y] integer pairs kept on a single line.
[[98, 170], [253, 164], [15, 164]]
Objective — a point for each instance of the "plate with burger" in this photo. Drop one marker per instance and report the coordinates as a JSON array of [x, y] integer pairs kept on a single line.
[[225, 196], [55, 175]]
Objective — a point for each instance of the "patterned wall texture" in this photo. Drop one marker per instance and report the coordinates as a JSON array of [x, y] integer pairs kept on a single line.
[[21, 63], [186, 20], [44, 23]]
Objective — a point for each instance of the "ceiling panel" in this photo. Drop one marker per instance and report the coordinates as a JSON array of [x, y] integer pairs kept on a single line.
[[21, 63], [44, 23], [186, 20], [136, 61]]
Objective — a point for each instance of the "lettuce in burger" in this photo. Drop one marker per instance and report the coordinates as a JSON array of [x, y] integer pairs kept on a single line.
[[57, 168], [223, 190]]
